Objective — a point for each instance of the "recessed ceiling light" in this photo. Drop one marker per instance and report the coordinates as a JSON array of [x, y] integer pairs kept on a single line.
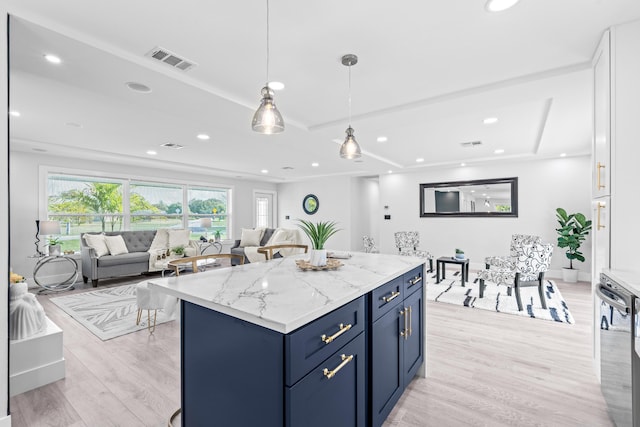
[[490, 120], [389, 171], [463, 164], [563, 155], [419, 160], [14, 113], [52, 58], [382, 139], [276, 85], [500, 5], [473, 191], [264, 171], [499, 151], [151, 152], [203, 136], [138, 87], [315, 164]]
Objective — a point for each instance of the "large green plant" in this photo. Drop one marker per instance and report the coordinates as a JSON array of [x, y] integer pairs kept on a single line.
[[318, 233], [574, 229]]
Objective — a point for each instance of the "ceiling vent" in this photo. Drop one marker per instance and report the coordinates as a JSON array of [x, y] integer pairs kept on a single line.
[[172, 146], [170, 58], [471, 144]]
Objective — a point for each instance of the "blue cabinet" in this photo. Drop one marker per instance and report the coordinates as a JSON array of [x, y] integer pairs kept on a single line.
[[397, 342]]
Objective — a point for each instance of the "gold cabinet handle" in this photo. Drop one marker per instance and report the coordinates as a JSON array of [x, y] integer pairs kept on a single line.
[[415, 280], [345, 359], [405, 332], [600, 206], [600, 185], [409, 316], [343, 328], [391, 297]]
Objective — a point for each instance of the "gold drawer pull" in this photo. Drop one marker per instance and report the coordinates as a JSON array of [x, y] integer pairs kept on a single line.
[[393, 296], [342, 330], [600, 185], [415, 280], [600, 207], [345, 359]]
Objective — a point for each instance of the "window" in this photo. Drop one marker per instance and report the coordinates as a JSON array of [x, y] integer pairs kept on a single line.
[[88, 204]]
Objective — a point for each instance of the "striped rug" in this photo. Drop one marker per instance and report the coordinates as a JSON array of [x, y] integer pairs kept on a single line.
[[109, 312], [495, 298]]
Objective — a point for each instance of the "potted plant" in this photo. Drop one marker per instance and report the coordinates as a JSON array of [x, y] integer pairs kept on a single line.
[[54, 246], [318, 233], [574, 229], [217, 235], [179, 251], [459, 254]]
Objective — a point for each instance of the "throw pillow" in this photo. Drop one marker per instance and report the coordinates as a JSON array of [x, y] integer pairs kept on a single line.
[[116, 245], [179, 238], [160, 241], [97, 242], [251, 237]]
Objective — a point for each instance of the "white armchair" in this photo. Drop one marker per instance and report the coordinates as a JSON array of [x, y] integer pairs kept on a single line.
[[506, 261], [407, 243]]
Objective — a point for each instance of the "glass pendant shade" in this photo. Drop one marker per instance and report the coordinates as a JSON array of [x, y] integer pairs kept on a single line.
[[267, 118], [350, 148]]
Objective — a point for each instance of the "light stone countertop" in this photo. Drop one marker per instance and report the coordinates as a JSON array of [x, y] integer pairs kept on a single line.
[[280, 296]]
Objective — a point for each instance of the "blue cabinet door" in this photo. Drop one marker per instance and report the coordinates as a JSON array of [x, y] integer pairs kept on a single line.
[[332, 394], [386, 361], [413, 340]]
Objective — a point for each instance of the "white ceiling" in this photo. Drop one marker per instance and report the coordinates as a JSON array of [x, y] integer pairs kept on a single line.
[[427, 76]]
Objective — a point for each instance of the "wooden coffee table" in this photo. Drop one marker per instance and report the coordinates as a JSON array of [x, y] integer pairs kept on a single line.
[[463, 263]]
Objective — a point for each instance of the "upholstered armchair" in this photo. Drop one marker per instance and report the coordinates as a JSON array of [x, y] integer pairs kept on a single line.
[[530, 263], [407, 243], [516, 241]]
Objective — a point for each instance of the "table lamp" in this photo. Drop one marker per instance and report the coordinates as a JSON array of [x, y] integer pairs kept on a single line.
[[46, 228], [206, 224]]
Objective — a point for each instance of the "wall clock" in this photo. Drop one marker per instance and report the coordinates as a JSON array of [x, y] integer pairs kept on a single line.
[[310, 204]]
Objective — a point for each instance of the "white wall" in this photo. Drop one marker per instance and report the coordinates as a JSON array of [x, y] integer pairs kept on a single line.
[[543, 186], [25, 182], [334, 195]]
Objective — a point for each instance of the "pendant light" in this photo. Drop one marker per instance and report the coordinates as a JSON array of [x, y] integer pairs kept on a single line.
[[350, 148], [267, 118]]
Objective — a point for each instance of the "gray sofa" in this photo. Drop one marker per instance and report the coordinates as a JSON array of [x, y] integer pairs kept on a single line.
[[134, 262], [239, 250]]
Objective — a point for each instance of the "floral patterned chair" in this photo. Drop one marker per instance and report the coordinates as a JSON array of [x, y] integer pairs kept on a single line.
[[516, 241], [407, 243], [369, 245], [530, 263]]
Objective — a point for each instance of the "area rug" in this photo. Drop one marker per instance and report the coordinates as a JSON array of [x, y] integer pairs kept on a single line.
[[495, 298], [109, 312]]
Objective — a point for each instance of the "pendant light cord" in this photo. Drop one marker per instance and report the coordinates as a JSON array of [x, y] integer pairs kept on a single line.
[[267, 82], [349, 95]]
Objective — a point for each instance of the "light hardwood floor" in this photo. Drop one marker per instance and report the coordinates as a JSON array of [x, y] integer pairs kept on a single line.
[[484, 369]]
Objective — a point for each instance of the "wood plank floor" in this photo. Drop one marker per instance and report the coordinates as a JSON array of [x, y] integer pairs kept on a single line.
[[484, 369]]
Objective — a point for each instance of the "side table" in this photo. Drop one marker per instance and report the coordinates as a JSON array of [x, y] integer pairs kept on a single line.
[[209, 246], [463, 263], [68, 277]]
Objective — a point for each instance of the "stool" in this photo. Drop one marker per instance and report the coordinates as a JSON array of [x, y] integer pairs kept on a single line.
[[148, 299]]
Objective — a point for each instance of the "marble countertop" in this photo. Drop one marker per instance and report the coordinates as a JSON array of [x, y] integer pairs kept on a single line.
[[630, 280], [280, 296]]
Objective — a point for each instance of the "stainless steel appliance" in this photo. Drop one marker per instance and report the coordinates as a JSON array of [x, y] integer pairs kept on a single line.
[[620, 351]]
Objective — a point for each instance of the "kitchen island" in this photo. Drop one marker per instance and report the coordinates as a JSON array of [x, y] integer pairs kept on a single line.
[[268, 344]]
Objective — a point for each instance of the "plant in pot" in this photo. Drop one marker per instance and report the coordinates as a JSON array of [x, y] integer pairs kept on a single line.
[[574, 229], [217, 235], [178, 251], [459, 254], [318, 233], [54, 246]]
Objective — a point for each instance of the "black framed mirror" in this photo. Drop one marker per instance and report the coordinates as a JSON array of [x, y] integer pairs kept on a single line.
[[479, 198]]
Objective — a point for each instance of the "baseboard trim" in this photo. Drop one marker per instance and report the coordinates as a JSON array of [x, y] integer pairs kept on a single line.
[[5, 421]]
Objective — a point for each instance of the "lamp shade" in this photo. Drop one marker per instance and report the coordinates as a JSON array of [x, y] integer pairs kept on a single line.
[[267, 119], [350, 148], [205, 222], [48, 228]]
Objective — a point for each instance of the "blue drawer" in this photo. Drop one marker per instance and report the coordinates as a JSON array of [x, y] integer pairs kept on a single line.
[[385, 297], [310, 345], [413, 280]]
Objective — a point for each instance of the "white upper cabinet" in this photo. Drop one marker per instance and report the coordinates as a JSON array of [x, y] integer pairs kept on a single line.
[[601, 171]]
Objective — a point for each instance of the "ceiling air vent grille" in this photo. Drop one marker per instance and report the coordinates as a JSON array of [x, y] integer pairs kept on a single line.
[[471, 144], [170, 58]]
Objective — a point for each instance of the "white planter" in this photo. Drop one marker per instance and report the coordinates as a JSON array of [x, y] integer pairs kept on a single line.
[[570, 275], [54, 250], [318, 257]]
